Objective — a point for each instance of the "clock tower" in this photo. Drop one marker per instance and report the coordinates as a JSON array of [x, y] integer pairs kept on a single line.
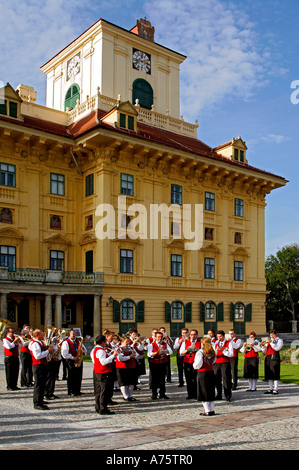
[[118, 64]]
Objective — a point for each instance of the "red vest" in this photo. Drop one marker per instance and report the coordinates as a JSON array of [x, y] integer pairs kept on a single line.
[[271, 351], [236, 351], [14, 352], [159, 358], [220, 357], [251, 353], [24, 348], [189, 356], [207, 364], [129, 364], [39, 361], [97, 365], [72, 349]]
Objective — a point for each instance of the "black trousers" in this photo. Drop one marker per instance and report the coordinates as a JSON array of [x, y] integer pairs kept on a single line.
[[26, 372], [102, 390], [223, 375], [74, 377], [190, 376], [12, 366], [158, 372], [40, 373], [234, 369], [179, 361], [51, 378]]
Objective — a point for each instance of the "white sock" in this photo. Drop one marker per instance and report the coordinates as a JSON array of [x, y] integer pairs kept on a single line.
[[250, 384], [270, 383], [130, 390], [276, 382], [254, 382], [124, 391], [206, 406]]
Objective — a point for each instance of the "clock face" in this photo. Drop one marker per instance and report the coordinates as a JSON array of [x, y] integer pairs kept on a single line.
[[141, 61], [73, 66]]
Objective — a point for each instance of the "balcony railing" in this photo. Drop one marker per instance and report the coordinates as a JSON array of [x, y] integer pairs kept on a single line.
[[36, 275]]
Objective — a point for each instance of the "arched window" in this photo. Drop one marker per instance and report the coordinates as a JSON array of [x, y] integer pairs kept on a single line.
[[143, 91], [71, 97], [239, 311], [210, 311]]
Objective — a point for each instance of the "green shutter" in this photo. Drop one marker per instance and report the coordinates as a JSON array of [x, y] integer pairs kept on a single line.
[[122, 120], [13, 109], [202, 312], [131, 123], [232, 311], [248, 312], [188, 312], [140, 312], [3, 109], [167, 312], [220, 312], [144, 92], [116, 311]]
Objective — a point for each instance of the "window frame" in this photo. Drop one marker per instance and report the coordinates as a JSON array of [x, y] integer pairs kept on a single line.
[[209, 268], [238, 271], [56, 261], [125, 183], [7, 173], [208, 316], [10, 258], [239, 207], [176, 194], [176, 265], [210, 201], [89, 185], [129, 315], [126, 261], [177, 311], [59, 183]]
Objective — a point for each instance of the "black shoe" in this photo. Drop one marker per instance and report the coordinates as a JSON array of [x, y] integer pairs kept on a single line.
[[111, 402], [107, 412], [154, 397], [181, 385], [132, 399], [204, 414], [229, 398], [41, 407], [164, 397], [268, 392]]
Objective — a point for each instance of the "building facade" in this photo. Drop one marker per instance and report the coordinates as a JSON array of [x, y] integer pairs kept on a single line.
[[82, 177]]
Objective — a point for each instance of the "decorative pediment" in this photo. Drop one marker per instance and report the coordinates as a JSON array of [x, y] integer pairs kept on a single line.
[[58, 239], [8, 93], [209, 246], [175, 243], [124, 116], [10, 102], [88, 238], [11, 233], [240, 251]]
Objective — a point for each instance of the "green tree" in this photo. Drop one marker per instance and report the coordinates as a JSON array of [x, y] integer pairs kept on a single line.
[[282, 276]]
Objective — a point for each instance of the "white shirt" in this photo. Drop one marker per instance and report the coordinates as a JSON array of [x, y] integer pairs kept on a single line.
[[236, 344], [277, 345], [65, 350], [150, 349], [229, 352], [102, 356], [256, 347], [8, 344]]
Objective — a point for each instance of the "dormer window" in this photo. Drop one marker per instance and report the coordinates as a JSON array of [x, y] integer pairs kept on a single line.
[[234, 150], [10, 102], [9, 108], [123, 116]]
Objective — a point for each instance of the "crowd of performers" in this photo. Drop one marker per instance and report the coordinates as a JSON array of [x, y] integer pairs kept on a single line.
[[208, 366]]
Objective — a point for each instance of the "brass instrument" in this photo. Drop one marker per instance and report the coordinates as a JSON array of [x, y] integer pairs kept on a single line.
[[265, 341], [249, 344], [80, 352], [4, 324]]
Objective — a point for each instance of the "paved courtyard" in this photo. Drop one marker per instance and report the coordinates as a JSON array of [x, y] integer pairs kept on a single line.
[[252, 421]]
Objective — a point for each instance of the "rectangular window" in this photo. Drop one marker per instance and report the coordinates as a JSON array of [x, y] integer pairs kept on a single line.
[[127, 184], [8, 175], [209, 268], [176, 265], [89, 185], [242, 159], [3, 107], [236, 154], [122, 120], [238, 270], [131, 123], [177, 311], [89, 262], [209, 201], [126, 261], [239, 207], [127, 310], [13, 109], [8, 257], [176, 194], [57, 184], [57, 260]]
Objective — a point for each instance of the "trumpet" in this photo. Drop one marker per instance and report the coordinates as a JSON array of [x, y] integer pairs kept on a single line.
[[265, 341]]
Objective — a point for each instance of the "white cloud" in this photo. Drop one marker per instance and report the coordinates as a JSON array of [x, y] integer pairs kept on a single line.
[[224, 58]]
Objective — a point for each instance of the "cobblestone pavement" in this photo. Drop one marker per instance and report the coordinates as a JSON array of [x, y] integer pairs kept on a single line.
[[252, 421]]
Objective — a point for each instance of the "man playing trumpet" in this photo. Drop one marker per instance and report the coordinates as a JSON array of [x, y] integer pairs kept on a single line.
[[157, 353], [11, 344]]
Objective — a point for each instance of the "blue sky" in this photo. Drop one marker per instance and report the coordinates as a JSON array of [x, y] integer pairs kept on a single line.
[[242, 60]]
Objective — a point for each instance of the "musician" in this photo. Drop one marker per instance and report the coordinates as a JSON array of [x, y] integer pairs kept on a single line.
[[110, 344], [237, 343], [203, 364], [149, 341], [251, 361], [69, 350], [11, 345], [40, 367], [25, 358], [102, 375], [272, 361], [157, 354], [188, 350], [222, 368], [126, 369], [170, 343], [137, 343], [54, 364], [212, 335], [179, 359]]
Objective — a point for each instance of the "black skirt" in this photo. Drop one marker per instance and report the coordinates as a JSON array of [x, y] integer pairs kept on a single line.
[[205, 386], [251, 368], [126, 376], [272, 367], [141, 366]]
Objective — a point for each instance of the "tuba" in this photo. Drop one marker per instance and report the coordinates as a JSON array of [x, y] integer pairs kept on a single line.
[[3, 325]]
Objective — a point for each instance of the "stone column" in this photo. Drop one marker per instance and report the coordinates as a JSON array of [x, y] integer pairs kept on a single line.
[[3, 305], [96, 314], [48, 310], [58, 311]]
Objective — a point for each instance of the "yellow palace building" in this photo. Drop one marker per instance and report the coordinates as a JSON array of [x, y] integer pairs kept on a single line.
[[81, 178]]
